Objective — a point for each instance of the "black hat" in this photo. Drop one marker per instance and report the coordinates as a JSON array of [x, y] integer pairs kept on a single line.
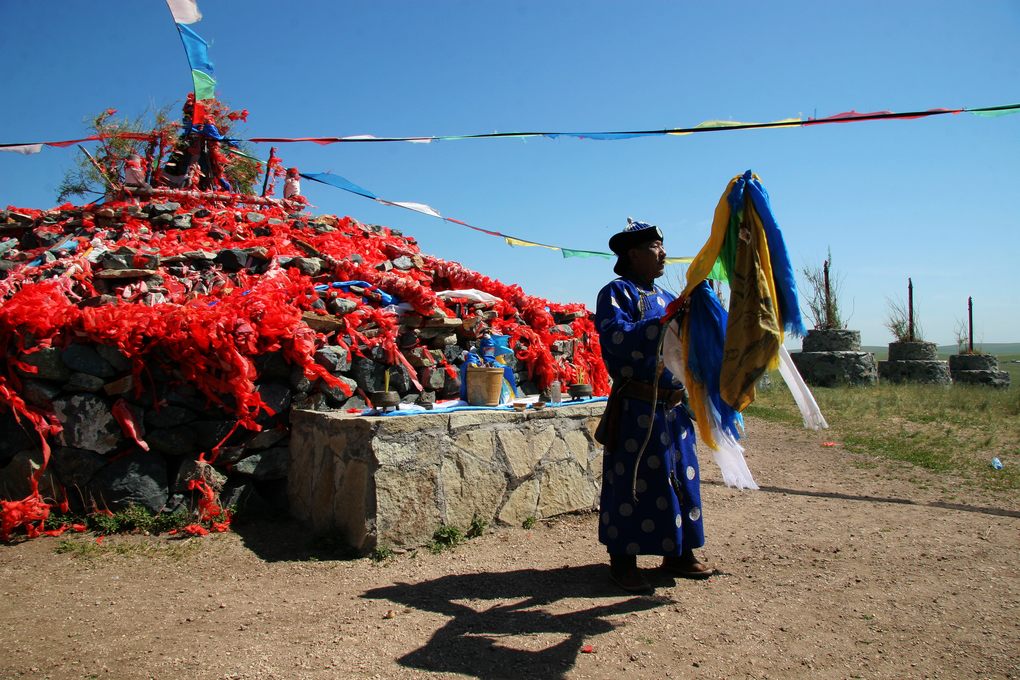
[[633, 235]]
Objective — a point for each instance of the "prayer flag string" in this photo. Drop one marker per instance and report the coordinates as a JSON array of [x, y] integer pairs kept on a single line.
[[339, 182], [706, 126]]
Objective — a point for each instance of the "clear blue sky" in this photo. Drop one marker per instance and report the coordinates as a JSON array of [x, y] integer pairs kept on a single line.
[[933, 199]]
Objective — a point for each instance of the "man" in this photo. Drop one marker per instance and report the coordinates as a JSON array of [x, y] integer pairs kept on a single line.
[[658, 510]]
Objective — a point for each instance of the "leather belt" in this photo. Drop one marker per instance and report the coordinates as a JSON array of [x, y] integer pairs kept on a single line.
[[633, 389]]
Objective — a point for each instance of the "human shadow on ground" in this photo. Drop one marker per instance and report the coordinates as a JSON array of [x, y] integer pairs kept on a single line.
[[476, 642]]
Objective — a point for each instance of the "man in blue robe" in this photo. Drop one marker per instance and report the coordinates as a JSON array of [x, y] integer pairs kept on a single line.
[[658, 510]]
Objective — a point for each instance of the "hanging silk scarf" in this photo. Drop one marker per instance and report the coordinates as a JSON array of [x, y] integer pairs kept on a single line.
[[722, 356]]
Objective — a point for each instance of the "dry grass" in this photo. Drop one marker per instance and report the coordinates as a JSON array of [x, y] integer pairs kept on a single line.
[[941, 429]]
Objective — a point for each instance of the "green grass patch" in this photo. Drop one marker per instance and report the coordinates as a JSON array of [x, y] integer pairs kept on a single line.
[[943, 429], [477, 528], [445, 538], [85, 548], [133, 519]]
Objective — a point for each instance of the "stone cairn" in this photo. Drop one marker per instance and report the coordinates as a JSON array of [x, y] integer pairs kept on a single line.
[[832, 356], [977, 369], [159, 347], [914, 362]]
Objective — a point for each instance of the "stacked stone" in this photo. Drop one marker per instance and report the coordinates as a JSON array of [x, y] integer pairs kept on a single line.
[[914, 362], [391, 482], [188, 253], [977, 369], [831, 357], [95, 465]]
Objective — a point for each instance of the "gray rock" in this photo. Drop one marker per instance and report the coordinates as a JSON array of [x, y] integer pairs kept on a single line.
[[87, 423], [268, 464], [255, 217], [829, 369], [186, 396], [567, 317], [309, 266], [231, 454], [451, 388], [182, 221], [341, 306], [168, 416], [973, 362], [994, 378], [336, 394], [136, 479], [453, 353], [15, 476], [84, 382], [39, 392], [403, 263], [174, 441], [75, 467], [233, 259], [161, 208], [432, 377], [273, 366], [913, 351], [15, 436], [120, 386], [832, 340], [266, 438], [367, 374], [313, 402], [276, 396], [114, 357], [564, 347], [209, 433], [298, 381], [117, 261], [86, 359], [49, 363], [356, 402], [333, 358], [915, 371]]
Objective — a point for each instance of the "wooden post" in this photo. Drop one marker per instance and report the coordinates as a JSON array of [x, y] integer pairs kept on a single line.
[[269, 169], [828, 298], [910, 310], [970, 325]]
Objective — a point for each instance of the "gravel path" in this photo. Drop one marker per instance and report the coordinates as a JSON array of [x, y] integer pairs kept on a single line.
[[838, 568]]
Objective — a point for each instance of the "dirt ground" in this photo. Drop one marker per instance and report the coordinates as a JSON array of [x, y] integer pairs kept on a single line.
[[837, 568]]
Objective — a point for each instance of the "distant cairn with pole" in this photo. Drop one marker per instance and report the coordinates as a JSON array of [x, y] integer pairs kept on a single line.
[[971, 367], [831, 354], [911, 359]]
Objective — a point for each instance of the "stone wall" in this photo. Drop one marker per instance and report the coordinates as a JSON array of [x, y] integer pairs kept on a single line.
[[393, 480], [977, 369], [914, 362], [832, 357]]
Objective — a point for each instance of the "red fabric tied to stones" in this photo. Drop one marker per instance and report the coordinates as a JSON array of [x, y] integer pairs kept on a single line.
[[208, 326]]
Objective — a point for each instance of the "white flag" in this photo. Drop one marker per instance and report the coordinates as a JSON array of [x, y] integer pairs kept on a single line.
[[23, 148], [184, 11]]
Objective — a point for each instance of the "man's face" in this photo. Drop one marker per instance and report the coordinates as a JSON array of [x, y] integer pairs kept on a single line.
[[648, 260]]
